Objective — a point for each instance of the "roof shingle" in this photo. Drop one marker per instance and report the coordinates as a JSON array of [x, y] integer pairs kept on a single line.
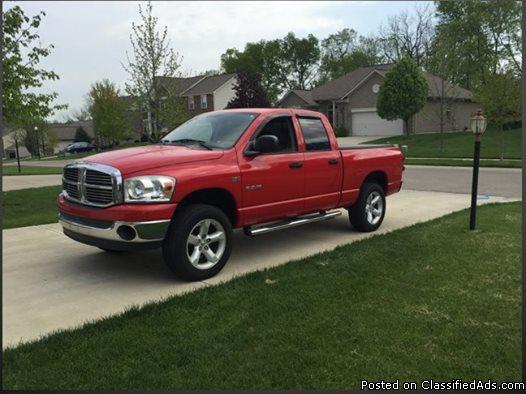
[[208, 85], [338, 88]]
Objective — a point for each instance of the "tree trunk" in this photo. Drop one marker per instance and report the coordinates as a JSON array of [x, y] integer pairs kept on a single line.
[[17, 155], [501, 141], [406, 127], [442, 94]]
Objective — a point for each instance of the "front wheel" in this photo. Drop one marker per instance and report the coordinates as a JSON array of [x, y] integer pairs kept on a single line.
[[367, 214], [198, 242]]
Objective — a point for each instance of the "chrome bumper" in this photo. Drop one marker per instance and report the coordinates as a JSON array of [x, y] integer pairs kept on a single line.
[[130, 232]]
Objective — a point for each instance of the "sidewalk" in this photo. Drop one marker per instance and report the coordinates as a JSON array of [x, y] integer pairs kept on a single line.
[[17, 182], [42, 163]]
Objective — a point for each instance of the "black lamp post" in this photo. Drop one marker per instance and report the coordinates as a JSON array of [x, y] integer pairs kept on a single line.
[[478, 126], [38, 142]]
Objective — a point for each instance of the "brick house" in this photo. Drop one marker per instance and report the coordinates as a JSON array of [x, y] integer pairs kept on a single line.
[[350, 103], [203, 93]]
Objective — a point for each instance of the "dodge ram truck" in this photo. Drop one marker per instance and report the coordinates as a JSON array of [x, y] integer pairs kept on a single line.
[[258, 170]]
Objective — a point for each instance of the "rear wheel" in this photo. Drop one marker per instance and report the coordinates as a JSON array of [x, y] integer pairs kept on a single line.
[[367, 214], [198, 242]]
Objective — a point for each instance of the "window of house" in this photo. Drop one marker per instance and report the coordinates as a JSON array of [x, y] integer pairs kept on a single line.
[[283, 128], [191, 103], [314, 134], [204, 103]]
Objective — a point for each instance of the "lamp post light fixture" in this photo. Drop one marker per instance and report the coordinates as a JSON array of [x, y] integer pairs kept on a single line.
[[38, 142], [478, 126]]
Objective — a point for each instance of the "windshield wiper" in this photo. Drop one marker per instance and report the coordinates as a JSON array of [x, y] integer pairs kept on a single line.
[[185, 141]]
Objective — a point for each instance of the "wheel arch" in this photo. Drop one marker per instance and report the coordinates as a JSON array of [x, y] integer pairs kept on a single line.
[[217, 197], [379, 177]]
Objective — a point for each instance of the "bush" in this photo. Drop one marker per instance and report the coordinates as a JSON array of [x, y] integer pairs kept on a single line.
[[81, 135], [340, 131], [514, 124]]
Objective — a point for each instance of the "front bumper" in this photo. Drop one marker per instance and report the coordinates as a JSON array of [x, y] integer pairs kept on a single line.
[[118, 235]]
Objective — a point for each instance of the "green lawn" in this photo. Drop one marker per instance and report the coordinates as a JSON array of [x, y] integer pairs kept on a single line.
[[459, 144], [464, 163], [432, 301], [29, 207], [30, 170]]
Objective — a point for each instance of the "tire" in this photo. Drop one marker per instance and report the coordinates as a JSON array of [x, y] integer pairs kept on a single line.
[[181, 246], [365, 217]]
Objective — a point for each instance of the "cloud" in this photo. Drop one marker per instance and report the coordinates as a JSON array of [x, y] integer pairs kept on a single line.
[[91, 38]]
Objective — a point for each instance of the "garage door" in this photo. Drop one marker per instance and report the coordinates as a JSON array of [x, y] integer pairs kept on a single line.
[[369, 123]]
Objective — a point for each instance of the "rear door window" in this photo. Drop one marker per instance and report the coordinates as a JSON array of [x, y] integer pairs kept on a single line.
[[314, 134]]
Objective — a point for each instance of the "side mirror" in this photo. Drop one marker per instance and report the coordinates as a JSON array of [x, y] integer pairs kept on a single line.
[[263, 144]]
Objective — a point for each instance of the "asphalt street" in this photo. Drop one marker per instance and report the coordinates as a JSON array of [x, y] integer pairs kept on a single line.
[[504, 182]]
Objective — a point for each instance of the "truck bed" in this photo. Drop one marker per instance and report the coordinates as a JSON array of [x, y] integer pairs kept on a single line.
[[360, 161]]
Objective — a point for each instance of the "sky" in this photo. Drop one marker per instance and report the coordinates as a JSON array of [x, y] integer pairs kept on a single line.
[[91, 38]]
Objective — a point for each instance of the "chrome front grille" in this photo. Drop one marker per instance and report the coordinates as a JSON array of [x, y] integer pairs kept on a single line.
[[92, 184]]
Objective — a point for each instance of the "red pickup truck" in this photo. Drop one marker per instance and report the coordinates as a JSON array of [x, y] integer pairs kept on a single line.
[[256, 169]]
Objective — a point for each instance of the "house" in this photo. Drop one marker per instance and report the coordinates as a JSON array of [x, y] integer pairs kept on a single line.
[[9, 146], [65, 133], [350, 103], [298, 98], [203, 93]]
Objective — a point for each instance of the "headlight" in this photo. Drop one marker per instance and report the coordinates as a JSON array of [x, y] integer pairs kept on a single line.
[[152, 188]]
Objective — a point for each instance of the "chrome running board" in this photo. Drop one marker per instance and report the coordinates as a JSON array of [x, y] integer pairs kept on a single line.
[[267, 228]]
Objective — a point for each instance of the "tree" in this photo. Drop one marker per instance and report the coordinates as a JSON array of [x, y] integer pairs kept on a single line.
[[152, 56], [108, 113], [262, 58], [500, 97], [23, 52], [403, 93], [79, 115], [282, 64], [301, 57], [37, 138], [408, 35], [345, 51], [249, 92], [81, 135], [475, 39], [173, 112]]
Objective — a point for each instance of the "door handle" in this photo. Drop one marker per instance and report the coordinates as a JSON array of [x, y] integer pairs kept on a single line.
[[333, 161], [295, 164]]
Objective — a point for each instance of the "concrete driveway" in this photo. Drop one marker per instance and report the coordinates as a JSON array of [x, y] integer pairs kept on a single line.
[[52, 282], [16, 182]]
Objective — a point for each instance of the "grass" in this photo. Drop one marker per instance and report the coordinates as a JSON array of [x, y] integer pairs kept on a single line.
[[30, 170], [431, 301], [29, 207], [464, 163], [459, 144]]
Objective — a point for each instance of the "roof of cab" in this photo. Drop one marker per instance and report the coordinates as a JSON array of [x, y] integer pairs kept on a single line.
[[294, 111]]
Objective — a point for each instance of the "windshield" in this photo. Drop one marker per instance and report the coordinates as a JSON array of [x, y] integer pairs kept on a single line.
[[211, 130]]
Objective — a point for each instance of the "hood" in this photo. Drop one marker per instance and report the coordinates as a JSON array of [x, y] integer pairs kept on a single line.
[[131, 160]]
